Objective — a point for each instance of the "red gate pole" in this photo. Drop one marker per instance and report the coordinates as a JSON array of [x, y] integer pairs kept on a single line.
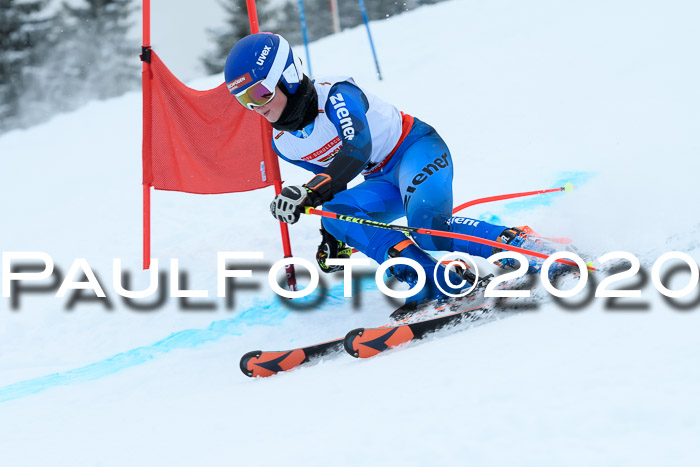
[[147, 127], [284, 230], [253, 17]]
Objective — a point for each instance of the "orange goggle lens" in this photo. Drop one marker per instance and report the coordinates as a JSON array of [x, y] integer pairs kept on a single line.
[[256, 95]]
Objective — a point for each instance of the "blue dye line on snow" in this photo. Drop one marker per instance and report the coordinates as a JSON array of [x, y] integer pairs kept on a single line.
[[268, 314]]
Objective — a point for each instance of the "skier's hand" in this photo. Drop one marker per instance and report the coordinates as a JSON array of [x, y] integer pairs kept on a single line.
[[290, 203], [331, 248]]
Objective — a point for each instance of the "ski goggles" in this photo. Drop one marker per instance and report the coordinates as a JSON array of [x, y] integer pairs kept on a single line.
[[256, 95]]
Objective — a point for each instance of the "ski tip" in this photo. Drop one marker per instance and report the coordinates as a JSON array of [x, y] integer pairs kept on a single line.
[[569, 187], [365, 343], [246, 358], [349, 341], [262, 364]]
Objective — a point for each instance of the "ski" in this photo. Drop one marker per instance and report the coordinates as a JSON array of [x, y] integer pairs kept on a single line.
[[259, 363], [265, 363], [368, 342], [407, 324]]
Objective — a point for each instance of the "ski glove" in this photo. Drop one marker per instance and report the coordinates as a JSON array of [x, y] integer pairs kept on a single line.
[[330, 247], [290, 203]]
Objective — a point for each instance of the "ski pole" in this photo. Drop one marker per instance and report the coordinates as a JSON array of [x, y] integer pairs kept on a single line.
[[567, 188], [437, 233]]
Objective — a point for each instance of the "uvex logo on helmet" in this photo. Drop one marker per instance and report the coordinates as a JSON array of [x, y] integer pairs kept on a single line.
[[238, 82], [263, 55]]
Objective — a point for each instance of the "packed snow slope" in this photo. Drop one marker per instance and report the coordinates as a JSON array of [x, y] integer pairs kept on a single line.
[[527, 95]]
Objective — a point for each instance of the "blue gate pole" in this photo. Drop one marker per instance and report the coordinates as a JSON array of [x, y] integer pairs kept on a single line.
[[302, 17], [369, 34]]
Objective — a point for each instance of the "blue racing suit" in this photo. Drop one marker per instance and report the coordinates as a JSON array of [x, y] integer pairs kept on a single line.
[[407, 168]]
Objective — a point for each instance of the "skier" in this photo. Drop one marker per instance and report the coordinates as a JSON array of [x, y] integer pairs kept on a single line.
[[337, 130]]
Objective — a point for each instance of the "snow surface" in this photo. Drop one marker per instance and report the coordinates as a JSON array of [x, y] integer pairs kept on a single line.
[[527, 95]]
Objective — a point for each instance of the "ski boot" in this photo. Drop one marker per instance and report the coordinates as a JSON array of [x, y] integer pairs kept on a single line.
[[523, 237], [430, 291]]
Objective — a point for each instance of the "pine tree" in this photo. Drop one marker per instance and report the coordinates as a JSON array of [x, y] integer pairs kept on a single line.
[[282, 17], [285, 21], [98, 54], [24, 26], [237, 27], [91, 56], [318, 20]]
